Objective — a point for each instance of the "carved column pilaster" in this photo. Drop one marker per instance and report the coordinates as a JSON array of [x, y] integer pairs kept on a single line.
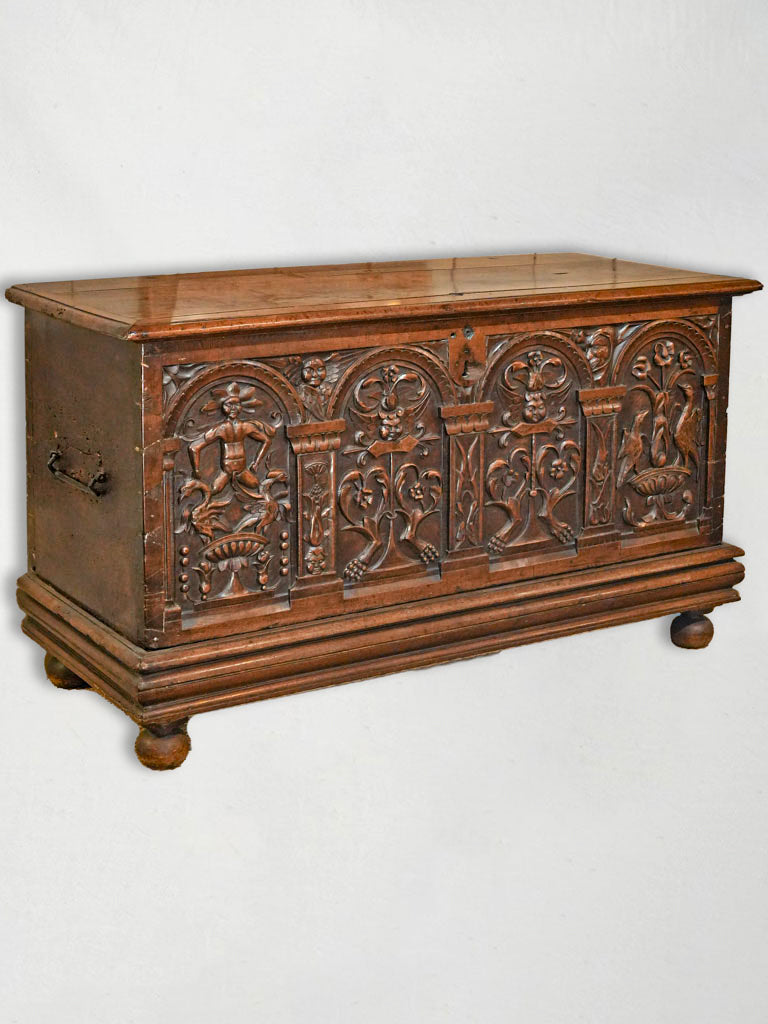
[[600, 407], [709, 383], [719, 413], [466, 426], [172, 610], [315, 445]]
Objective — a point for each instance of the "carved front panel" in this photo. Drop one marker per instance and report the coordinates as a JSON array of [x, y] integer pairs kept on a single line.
[[231, 484], [391, 474], [663, 426], [313, 476], [534, 451]]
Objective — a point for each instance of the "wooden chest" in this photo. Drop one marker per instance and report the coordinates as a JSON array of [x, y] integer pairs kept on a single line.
[[251, 483]]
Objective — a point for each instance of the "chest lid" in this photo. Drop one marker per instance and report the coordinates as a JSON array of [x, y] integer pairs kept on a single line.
[[174, 305]]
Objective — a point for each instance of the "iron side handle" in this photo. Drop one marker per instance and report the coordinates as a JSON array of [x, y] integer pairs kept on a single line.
[[96, 486]]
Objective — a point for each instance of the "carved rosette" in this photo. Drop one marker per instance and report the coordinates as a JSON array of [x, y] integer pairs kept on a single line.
[[466, 426], [600, 407], [315, 445]]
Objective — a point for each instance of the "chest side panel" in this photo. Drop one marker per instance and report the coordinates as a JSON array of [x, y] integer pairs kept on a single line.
[[84, 468]]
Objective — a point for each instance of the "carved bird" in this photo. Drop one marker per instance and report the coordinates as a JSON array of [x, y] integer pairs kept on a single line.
[[631, 450], [687, 428]]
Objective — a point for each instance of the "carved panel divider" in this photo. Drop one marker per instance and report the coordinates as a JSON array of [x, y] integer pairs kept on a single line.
[[315, 445], [172, 609], [600, 407], [709, 381], [466, 426]]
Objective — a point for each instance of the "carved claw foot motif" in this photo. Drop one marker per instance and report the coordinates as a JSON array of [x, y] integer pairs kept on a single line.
[[429, 553], [354, 570], [162, 747], [496, 546], [692, 630], [61, 676], [561, 531]]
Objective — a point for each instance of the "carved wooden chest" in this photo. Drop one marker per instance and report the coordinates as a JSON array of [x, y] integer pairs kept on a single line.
[[251, 483]]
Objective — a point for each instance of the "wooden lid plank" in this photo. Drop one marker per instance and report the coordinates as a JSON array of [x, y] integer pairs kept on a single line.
[[173, 305]]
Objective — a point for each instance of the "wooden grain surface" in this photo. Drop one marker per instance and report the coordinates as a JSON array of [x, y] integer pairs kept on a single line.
[[144, 308]]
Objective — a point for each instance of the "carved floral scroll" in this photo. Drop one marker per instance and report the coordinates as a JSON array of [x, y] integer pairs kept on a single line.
[[534, 451], [390, 491]]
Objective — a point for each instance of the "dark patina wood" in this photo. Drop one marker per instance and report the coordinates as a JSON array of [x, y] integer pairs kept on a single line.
[[252, 483]]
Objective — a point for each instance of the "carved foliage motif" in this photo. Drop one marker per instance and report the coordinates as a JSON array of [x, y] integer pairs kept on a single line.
[[661, 433], [315, 445], [535, 455], [232, 518], [600, 506], [391, 489], [317, 500], [466, 426], [468, 490], [176, 376], [600, 406]]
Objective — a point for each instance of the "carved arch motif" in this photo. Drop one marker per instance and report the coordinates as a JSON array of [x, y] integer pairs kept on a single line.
[[209, 373], [422, 361], [391, 464], [534, 450], [682, 332], [669, 371], [558, 342], [231, 485]]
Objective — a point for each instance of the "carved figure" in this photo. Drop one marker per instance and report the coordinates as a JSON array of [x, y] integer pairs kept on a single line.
[[230, 435]]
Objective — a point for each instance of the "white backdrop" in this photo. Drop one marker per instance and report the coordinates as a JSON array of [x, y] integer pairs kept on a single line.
[[573, 831]]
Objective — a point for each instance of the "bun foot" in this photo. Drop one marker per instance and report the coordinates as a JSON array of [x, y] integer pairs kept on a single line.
[[162, 747], [692, 630], [61, 676]]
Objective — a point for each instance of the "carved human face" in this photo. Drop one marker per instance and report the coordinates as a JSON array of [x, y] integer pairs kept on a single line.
[[391, 424], [535, 408], [231, 408], [313, 372]]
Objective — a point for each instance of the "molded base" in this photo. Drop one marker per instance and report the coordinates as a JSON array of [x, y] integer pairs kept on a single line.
[[161, 688]]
